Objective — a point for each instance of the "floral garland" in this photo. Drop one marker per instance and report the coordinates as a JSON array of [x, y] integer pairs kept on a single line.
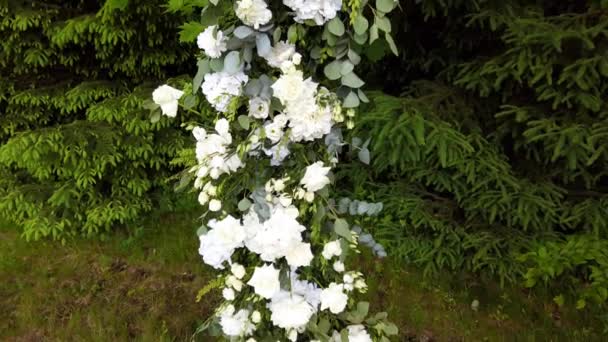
[[264, 170]]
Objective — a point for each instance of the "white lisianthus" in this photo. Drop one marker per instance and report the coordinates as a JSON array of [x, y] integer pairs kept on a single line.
[[265, 281], [167, 98], [212, 41], [237, 270], [300, 255], [339, 266], [259, 108], [215, 205], [315, 178], [290, 311], [332, 249], [273, 131], [334, 298], [253, 12]]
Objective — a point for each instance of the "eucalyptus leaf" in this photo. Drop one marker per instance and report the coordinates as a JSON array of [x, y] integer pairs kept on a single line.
[[203, 69], [361, 39], [391, 44], [373, 33], [362, 96], [341, 228], [347, 67], [336, 26], [263, 45], [244, 204], [243, 32], [232, 62], [332, 70], [384, 24], [361, 24], [354, 57], [217, 64], [352, 80], [385, 5], [364, 156], [244, 121], [351, 101]]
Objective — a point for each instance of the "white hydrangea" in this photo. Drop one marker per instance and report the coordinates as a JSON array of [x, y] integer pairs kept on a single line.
[[219, 243], [318, 10], [212, 41], [282, 55], [253, 12], [221, 87], [357, 333], [212, 153], [278, 235], [290, 311], [236, 324], [167, 98]]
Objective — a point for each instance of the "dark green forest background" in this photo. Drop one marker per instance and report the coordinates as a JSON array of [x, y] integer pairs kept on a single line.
[[489, 131]]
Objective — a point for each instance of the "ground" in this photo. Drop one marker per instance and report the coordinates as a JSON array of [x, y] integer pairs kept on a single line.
[[142, 285]]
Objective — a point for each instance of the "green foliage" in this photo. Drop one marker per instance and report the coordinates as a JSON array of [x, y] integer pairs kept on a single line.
[[493, 157], [78, 153]]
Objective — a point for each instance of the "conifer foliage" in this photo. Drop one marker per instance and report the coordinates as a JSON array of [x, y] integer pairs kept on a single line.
[[78, 152], [491, 155]]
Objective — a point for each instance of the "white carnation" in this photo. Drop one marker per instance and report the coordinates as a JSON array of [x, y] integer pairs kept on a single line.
[[259, 108], [281, 53], [253, 12], [357, 333], [318, 10], [236, 324], [212, 41], [221, 87], [290, 311]]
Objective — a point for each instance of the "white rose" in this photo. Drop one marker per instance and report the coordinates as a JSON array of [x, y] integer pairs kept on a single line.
[[273, 131], [212, 41], [331, 249], [300, 255], [259, 108], [215, 205], [315, 178], [167, 97], [334, 298], [265, 281], [238, 270]]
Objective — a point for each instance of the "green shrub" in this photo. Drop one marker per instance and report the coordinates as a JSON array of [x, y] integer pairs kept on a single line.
[[79, 153], [492, 155]]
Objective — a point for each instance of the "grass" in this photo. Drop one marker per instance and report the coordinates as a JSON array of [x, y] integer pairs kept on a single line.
[[142, 286]]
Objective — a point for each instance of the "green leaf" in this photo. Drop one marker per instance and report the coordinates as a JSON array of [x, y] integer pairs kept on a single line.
[[155, 117], [244, 204], [117, 4], [292, 34], [346, 68], [189, 31], [373, 33], [362, 309], [341, 228], [391, 44], [203, 69], [364, 156], [332, 70], [351, 101], [217, 64], [384, 24], [362, 96], [361, 24], [385, 5], [244, 121], [336, 26], [352, 80]]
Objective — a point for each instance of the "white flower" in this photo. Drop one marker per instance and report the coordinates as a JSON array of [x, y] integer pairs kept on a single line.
[[256, 317], [281, 53], [360, 284], [228, 293], [220, 87], [357, 333], [299, 255], [253, 12], [273, 131], [222, 127], [339, 266], [167, 98], [234, 282], [278, 153], [334, 298], [210, 189], [331, 249], [212, 41], [348, 278], [318, 10], [251, 339], [285, 200], [280, 119], [279, 185], [215, 205], [308, 290], [315, 178], [203, 198], [221, 240], [236, 324], [309, 196], [265, 281], [259, 108], [199, 133], [293, 335], [237, 270], [290, 311]]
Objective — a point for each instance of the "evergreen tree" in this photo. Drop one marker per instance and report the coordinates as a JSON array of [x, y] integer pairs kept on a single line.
[[490, 154], [78, 151]]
